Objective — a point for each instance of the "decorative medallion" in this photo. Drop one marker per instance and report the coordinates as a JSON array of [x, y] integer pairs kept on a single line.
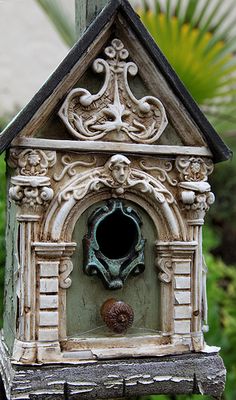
[[114, 247], [32, 162], [114, 112], [31, 187], [194, 169]]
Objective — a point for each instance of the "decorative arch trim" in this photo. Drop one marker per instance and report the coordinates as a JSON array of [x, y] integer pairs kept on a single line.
[[119, 179]]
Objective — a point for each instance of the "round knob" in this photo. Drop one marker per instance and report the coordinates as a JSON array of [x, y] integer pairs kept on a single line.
[[117, 315]]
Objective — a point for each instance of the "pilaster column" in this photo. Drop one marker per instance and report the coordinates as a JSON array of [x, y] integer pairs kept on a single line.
[[54, 268], [174, 260], [26, 277], [31, 191], [196, 198]]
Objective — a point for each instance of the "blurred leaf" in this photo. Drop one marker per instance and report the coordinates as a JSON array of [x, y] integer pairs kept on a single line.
[[200, 51], [60, 20]]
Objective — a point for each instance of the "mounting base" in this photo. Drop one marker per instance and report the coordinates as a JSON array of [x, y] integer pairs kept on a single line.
[[198, 373]]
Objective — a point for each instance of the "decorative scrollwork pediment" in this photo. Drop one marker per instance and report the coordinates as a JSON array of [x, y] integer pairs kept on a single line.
[[114, 113], [118, 176]]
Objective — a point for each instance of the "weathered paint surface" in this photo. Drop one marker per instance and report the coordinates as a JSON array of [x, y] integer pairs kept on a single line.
[[85, 13], [185, 374], [11, 271], [118, 132]]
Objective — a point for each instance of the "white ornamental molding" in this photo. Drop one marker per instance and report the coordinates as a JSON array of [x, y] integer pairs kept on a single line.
[[31, 187], [69, 167], [114, 112], [161, 171], [118, 176], [66, 267], [32, 162], [164, 265], [31, 191], [194, 169], [196, 196], [195, 191]]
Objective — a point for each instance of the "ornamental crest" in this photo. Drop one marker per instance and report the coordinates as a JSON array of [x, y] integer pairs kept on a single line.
[[113, 113], [194, 169]]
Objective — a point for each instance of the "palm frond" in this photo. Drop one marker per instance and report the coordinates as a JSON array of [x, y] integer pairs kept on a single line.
[[190, 12], [199, 41]]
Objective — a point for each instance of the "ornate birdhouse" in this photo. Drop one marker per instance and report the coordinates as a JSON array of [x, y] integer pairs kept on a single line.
[[108, 167]]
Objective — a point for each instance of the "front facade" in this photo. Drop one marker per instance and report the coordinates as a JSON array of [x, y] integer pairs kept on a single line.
[[108, 190]]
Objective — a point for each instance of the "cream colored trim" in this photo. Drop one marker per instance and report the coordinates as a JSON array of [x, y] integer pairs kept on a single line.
[[111, 147]]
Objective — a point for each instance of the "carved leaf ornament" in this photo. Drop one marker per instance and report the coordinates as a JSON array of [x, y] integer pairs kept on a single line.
[[32, 162], [114, 109]]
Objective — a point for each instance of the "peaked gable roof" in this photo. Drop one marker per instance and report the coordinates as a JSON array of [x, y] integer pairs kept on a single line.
[[219, 150]]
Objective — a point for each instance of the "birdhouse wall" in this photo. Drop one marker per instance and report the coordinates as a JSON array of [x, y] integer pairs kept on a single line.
[[108, 188], [142, 294], [52, 196], [112, 141]]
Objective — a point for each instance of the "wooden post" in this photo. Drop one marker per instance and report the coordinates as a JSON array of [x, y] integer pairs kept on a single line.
[[85, 12]]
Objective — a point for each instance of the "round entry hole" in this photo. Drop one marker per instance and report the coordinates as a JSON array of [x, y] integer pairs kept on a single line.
[[117, 235]]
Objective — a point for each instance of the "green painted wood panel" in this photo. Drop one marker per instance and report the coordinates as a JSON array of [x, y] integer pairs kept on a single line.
[[87, 293]]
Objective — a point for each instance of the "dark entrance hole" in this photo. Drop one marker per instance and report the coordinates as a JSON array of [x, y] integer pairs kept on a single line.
[[117, 235]]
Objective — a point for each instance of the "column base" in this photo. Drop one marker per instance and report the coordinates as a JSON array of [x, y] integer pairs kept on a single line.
[[36, 352], [24, 351], [48, 352]]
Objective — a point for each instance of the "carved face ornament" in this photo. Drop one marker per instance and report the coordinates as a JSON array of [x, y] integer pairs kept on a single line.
[[120, 172], [120, 169]]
